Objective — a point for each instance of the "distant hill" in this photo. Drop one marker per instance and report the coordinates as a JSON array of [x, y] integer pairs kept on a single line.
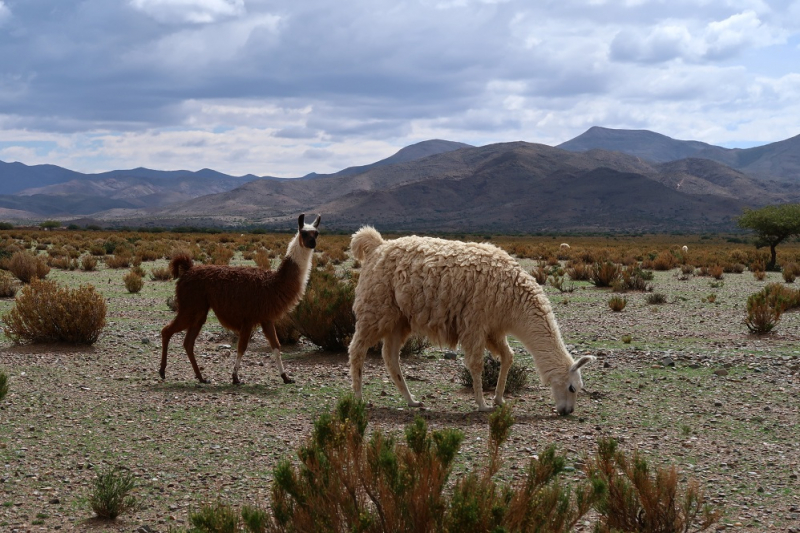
[[640, 143], [500, 187], [778, 161], [608, 180], [412, 152]]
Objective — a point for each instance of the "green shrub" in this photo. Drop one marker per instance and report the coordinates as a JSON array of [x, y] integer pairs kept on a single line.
[[516, 381], [26, 266], [215, 518], [656, 298], [3, 385], [325, 314], [110, 493], [637, 498], [45, 312], [133, 282]]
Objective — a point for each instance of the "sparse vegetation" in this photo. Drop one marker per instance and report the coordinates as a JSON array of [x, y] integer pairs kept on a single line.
[[110, 494]]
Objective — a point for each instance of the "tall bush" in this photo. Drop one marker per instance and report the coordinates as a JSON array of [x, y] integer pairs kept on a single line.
[[26, 266], [325, 314], [44, 312], [639, 498]]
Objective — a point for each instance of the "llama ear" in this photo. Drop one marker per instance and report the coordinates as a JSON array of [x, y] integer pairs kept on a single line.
[[301, 220], [316, 222], [582, 361]]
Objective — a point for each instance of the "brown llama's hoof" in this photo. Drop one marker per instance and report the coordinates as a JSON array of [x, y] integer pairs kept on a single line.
[[286, 378], [161, 373], [236, 380]]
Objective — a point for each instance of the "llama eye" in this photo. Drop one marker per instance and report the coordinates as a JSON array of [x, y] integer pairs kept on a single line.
[[571, 388]]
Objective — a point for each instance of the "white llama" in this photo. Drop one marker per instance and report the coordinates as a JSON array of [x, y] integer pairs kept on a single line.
[[455, 293]]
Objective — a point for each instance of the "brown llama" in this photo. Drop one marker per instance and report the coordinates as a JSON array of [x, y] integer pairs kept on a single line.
[[241, 298]]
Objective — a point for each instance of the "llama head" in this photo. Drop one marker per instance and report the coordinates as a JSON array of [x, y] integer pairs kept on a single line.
[[566, 389], [308, 232]]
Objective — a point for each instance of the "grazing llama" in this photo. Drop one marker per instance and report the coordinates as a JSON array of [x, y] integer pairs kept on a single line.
[[455, 293], [241, 298]]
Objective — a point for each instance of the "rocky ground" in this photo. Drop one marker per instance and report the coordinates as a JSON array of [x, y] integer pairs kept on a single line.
[[691, 388]]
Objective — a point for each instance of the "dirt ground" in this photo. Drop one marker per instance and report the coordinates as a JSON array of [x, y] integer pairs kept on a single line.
[[691, 388]]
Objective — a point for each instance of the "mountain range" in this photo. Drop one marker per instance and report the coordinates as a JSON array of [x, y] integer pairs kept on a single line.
[[603, 180]]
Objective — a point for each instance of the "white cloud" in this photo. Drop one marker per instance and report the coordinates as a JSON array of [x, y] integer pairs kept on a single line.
[[189, 11], [285, 88], [5, 12]]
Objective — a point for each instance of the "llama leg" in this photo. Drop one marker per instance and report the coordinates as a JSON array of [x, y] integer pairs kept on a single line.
[[244, 340], [166, 334], [179, 323], [391, 357], [188, 345], [272, 337], [503, 351], [357, 351], [473, 360]]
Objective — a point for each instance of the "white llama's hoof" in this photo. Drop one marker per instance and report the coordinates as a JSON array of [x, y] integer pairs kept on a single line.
[[486, 408]]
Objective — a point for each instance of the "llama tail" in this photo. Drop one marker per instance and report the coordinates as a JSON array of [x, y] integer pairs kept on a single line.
[[364, 242], [181, 262]]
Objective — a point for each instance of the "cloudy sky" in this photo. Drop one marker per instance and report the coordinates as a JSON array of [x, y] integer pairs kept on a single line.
[[283, 88]]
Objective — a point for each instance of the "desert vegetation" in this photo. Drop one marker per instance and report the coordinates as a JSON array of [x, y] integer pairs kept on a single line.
[[681, 381]]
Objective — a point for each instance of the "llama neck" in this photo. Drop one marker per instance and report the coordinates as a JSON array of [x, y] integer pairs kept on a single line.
[[301, 256], [535, 326]]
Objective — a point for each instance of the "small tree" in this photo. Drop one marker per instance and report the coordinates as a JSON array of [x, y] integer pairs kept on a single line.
[[50, 224], [773, 224]]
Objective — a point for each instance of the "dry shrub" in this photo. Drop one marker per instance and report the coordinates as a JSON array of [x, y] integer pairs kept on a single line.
[[45, 312], [759, 274], [133, 282], [263, 259], [764, 308], [540, 274], [633, 279], [665, 261], [120, 260], [579, 272], [325, 314], [88, 263], [63, 262], [8, 288], [221, 255], [617, 303], [733, 268], [640, 499], [790, 272], [26, 266], [716, 271], [160, 274], [605, 274]]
